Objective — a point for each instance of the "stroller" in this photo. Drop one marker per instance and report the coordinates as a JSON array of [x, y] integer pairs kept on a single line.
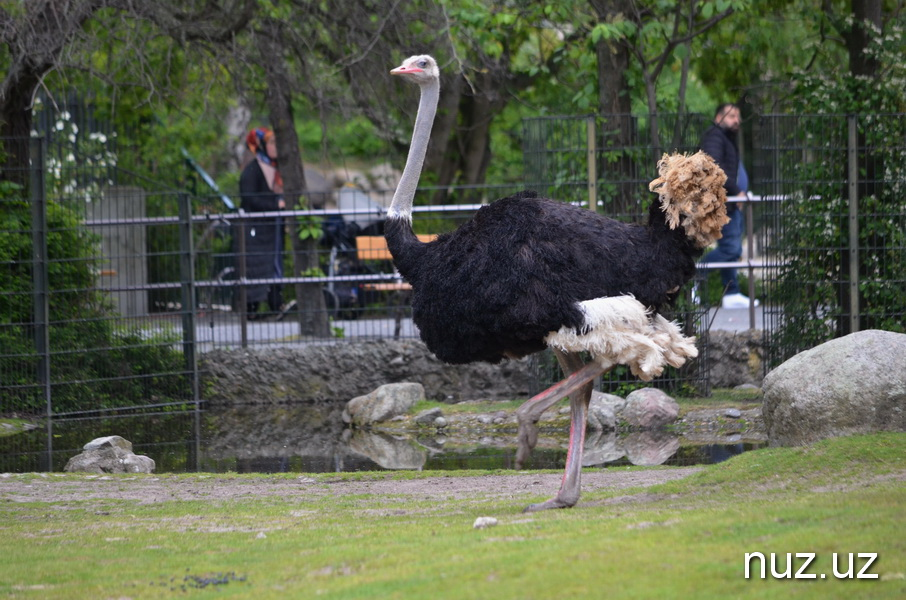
[[346, 300]]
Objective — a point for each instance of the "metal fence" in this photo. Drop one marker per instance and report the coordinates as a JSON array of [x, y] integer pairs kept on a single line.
[[117, 285], [838, 231]]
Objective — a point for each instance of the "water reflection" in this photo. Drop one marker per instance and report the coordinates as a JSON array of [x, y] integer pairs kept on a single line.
[[311, 438]]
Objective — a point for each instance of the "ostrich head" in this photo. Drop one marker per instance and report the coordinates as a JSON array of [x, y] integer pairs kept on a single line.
[[692, 195], [418, 69]]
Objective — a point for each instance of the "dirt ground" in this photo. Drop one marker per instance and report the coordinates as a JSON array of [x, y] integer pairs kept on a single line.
[[56, 487]]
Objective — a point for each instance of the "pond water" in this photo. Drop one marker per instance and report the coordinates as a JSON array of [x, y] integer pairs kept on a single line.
[[312, 439]]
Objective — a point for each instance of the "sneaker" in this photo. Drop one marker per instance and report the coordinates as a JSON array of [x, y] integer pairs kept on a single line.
[[694, 296], [731, 301]]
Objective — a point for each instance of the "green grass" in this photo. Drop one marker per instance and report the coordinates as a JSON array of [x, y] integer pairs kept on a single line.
[[683, 539]]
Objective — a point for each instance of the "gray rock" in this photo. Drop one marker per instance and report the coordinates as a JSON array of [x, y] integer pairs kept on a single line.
[[732, 413], [111, 454], [440, 422], [649, 408], [384, 403], [747, 386], [114, 441], [484, 522], [603, 410], [850, 385], [137, 463], [427, 417]]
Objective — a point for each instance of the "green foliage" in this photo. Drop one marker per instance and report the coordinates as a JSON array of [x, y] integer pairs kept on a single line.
[[93, 364], [309, 227], [813, 285]]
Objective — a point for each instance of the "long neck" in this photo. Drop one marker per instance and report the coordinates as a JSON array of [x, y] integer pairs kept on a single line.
[[401, 205]]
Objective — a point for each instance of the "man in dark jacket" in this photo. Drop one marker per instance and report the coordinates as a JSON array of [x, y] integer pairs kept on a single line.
[[719, 141]]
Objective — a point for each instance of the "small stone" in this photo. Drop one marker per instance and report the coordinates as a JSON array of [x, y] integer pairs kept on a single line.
[[732, 413], [484, 522], [440, 422], [485, 419], [260, 536]]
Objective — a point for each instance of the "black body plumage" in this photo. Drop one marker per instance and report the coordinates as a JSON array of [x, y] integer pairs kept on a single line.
[[500, 283]]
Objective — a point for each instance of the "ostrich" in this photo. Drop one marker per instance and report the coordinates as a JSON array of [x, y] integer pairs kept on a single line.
[[527, 273]]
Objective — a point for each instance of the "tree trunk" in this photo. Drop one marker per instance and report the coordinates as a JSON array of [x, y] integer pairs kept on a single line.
[[467, 151], [866, 26], [615, 108], [15, 129], [312, 312]]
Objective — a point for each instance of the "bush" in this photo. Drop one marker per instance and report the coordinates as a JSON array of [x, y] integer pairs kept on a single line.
[[94, 364]]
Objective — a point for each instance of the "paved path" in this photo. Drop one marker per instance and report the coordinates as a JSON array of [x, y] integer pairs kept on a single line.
[[736, 319], [222, 330]]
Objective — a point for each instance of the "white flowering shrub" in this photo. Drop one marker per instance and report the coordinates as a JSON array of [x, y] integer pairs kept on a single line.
[[78, 163]]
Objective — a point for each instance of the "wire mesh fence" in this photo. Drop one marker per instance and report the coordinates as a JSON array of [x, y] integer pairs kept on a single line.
[[116, 285], [838, 229]]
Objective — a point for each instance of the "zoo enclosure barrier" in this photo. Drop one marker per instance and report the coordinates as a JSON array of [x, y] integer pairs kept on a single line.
[[118, 284]]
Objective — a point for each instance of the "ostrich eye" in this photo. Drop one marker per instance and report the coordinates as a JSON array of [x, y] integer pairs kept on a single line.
[[422, 63]]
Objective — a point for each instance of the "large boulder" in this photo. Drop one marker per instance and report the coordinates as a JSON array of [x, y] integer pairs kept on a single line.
[[850, 385], [111, 454], [384, 403], [603, 411], [649, 408]]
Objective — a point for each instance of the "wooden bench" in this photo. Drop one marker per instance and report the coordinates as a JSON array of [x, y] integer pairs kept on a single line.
[[374, 248]]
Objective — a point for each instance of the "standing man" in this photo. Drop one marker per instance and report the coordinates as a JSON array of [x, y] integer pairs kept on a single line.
[[719, 141]]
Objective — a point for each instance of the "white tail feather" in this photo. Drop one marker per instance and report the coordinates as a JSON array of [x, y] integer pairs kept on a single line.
[[620, 330]]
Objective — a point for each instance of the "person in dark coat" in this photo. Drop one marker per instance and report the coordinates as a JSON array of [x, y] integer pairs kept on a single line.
[[261, 190], [719, 141]]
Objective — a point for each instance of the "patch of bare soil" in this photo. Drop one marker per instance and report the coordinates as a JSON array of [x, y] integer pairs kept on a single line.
[[56, 488]]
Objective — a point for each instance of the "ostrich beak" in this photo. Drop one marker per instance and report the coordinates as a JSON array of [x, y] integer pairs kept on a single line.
[[404, 69]]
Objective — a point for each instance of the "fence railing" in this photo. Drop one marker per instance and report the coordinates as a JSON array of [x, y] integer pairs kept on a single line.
[[115, 290]]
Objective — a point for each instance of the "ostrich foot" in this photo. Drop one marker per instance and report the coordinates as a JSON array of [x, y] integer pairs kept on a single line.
[[547, 504]]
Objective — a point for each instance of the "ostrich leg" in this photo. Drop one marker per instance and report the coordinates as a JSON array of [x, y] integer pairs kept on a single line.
[[579, 397], [530, 412]]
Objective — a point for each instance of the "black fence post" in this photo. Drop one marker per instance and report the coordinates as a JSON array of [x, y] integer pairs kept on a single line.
[[852, 159], [239, 229], [187, 279], [40, 279]]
